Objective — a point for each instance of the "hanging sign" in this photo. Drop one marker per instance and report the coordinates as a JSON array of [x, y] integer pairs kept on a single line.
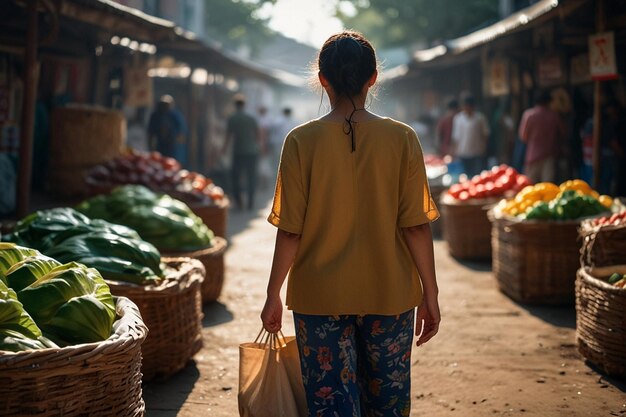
[[137, 87], [602, 56], [499, 77]]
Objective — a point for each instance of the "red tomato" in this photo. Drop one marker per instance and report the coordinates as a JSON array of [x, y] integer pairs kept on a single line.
[[455, 190], [507, 182], [489, 189], [464, 195]]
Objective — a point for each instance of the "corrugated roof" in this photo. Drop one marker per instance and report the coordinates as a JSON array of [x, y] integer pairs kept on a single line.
[[482, 36]]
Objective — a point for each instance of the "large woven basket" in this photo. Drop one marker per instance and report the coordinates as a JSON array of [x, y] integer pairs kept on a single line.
[[92, 379], [213, 260], [466, 228], [172, 311], [602, 245], [214, 216], [601, 320], [533, 261]]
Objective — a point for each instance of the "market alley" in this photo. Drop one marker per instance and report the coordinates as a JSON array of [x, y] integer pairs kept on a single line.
[[492, 357]]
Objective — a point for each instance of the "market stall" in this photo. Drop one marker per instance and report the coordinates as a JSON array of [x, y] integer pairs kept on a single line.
[[535, 240]]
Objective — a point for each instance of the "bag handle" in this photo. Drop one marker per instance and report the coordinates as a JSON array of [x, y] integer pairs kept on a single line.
[[275, 341]]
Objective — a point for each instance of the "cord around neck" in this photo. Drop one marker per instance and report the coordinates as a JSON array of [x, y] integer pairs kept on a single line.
[[350, 129]]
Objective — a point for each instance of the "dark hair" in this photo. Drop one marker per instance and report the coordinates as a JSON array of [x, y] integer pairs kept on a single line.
[[453, 104], [469, 101], [544, 97], [347, 60]]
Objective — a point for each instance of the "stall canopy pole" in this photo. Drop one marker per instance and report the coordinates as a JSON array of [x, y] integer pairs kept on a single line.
[[597, 108], [28, 111]]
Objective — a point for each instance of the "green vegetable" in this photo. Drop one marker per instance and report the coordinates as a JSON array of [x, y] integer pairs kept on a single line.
[[18, 331], [116, 257], [167, 223], [615, 277], [71, 303], [10, 254], [69, 236], [29, 270], [540, 211]]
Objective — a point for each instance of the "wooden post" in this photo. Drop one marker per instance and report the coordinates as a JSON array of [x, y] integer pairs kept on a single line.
[[192, 134], [31, 75], [597, 106]]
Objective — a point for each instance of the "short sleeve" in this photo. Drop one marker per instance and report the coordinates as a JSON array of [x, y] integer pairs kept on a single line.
[[416, 204], [290, 200]]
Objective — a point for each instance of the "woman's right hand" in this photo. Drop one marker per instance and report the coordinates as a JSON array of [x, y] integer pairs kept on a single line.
[[428, 314], [272, 314]]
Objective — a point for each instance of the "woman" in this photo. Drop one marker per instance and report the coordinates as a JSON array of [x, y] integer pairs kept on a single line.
[[352, 208]]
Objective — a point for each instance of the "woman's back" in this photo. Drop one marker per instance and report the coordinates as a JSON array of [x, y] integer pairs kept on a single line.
[[349, 208]]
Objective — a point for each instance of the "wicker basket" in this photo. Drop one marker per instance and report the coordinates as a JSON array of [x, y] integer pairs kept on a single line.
[[172, 311], [213, 260], [466, 228], [92, 379], [214, 216], [600, 320], [533, 261], [602, 245]]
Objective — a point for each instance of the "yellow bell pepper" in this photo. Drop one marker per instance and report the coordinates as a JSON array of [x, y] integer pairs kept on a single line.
[[576, 185], [606, 201]]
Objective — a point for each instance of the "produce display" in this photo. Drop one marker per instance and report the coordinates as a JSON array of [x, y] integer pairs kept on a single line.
[[547, 201], [156, 172], [616, 219], [115, 251], [619, 280], [18, 331], [496, 182], [165, 222], [42, 299]]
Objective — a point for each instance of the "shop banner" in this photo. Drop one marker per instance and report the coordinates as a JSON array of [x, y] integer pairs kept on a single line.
[[550, 71], [602, 56]]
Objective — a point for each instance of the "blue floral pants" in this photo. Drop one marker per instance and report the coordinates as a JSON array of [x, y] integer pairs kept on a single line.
[[356, 366]]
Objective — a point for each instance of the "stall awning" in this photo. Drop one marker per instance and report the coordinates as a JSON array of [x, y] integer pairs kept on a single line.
[[103, 20]]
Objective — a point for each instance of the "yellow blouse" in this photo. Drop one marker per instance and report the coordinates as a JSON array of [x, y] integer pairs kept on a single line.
[[349, 208]]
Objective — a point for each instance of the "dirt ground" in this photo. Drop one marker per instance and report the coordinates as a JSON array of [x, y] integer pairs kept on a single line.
[[492, 357]]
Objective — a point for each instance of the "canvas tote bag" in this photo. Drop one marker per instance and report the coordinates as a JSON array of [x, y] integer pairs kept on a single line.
[[270, 380]]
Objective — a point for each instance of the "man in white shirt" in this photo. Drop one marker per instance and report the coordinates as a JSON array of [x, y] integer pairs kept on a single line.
[[283, 125], [470, 133]]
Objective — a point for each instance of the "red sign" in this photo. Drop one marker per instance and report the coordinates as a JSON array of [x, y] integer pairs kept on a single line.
[[602, 56]]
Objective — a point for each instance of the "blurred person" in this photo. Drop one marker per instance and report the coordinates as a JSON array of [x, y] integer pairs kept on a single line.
[[543, 131], [266, 170], [358, 264], [280, 129], [243, 131], [444, 128], [470, 133], [166, 128]]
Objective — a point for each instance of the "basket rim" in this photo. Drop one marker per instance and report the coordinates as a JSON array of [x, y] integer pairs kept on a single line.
[[587, 228], [130, 327], [447, 200], [585, 274], [223, 203], [172, 284], [219, 245]]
